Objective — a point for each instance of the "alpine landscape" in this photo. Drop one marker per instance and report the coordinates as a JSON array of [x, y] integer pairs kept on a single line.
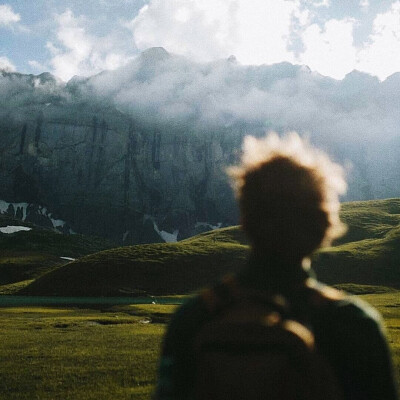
[[115, 205]]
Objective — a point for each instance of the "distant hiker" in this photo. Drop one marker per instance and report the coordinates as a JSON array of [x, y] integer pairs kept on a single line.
[[272, 331]]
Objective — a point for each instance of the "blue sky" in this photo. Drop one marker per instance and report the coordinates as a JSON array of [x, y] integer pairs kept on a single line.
[[71, 37]]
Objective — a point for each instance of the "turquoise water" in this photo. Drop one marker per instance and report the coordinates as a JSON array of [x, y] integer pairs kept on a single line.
[[12, 301]]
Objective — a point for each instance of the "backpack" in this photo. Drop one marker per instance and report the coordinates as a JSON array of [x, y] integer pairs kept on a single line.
[[253, 348]]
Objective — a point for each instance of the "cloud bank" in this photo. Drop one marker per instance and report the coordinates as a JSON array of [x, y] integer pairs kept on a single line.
[[158, 86]]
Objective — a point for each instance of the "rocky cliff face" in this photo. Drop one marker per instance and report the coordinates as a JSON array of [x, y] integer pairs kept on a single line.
[[115, 178]]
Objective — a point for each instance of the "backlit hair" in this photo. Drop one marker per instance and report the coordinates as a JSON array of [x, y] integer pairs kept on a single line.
[[288, 194]]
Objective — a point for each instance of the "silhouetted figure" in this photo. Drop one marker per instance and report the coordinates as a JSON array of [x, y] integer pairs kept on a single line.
[[288, 194]]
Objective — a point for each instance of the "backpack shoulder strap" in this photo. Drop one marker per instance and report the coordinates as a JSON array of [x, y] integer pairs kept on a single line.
[[318, 294], [309, 295], [229, 292]]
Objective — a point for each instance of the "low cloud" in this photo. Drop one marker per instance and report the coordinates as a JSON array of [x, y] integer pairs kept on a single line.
[[158, 86], [6, 65]]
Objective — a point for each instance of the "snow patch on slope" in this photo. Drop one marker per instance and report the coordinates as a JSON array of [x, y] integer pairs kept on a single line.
[[14, 228], [207, 225], [166, 236]]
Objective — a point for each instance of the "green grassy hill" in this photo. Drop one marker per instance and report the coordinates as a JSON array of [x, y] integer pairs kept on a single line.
[[368, 254], [25, 255], [370, 251], [166, 268]]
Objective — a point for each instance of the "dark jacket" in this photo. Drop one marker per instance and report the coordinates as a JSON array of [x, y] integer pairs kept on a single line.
[[349, 334]]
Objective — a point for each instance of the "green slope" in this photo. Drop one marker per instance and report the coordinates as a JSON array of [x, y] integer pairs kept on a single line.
[[26, 255], [368, 254], [370, 219], [368, 261], [167, 268], [370, 251]]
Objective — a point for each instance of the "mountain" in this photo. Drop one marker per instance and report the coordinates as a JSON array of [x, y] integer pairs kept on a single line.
[[137, 155], [369, 254]]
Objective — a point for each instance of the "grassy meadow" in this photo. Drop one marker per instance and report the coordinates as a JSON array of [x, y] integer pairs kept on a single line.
[[80, 354], [52, 353]]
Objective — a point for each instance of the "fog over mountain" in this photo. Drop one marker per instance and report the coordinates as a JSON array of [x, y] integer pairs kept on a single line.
[[154, 136]]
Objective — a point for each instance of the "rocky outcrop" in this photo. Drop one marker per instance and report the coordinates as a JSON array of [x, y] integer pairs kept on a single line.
[[117, 179]]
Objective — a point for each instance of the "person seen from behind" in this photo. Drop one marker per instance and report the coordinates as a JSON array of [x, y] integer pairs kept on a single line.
[[272, 330]]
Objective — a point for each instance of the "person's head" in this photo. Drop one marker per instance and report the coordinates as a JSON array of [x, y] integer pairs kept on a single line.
[[288, 195]]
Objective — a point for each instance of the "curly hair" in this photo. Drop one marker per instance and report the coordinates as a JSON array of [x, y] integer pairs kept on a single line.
[[288, 194]]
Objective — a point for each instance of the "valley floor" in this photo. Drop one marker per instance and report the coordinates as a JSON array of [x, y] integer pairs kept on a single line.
[[82, 354]]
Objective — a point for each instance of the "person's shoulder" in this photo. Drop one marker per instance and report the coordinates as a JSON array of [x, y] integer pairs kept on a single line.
[[346, 306], [191, 305], [188, 316]]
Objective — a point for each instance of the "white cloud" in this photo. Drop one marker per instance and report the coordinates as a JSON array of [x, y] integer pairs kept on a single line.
[[77, 52], [330, 51], [381, 55], [6, 65], [8, 16], [255, 32], [264, 29]]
